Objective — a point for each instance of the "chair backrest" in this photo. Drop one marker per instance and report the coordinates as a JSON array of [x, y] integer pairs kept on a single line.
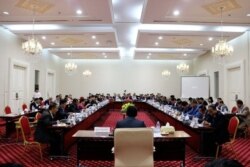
[[38, 116], [7, 110], [133, 147], [234, 110], [25, 127], [24, 106], [232, 127]]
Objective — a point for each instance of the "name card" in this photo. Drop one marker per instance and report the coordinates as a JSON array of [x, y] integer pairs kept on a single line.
[[102, 130]]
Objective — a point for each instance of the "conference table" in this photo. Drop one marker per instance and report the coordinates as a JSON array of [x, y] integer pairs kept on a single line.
[[10, 120], [199, 139], [95, 146]]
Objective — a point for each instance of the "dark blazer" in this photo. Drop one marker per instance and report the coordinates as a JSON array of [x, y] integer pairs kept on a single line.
[[130, 122], [61, 114], [220, 124], [42, 133]]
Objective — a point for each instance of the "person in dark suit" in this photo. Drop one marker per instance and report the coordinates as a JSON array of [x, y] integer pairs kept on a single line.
[[130, 121], [219, 123], [62, 113], [43, 134], [220, 134]]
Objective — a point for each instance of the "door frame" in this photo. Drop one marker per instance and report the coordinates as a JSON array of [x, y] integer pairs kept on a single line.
[[238, 64], [26, 66], [54, 80]]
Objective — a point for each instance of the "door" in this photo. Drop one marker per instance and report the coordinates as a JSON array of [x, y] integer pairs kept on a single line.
[[50, 85], [19, 86], [234, 85]]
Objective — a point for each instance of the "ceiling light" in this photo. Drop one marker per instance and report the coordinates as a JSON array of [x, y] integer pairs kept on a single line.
[[32, 46], [105, 56], [87, 73], [210, 38], [182, 67], [156, 43], [166, 73], [93, 37], [201, 44], [176, 13], [6, 13], [160, 38], [52, 43], [148, 57], [97, 43], [222, 48], [103, 53], [149, 54], [68, 54], [184, 54], [78, 12], [43, 37], [248, 14]]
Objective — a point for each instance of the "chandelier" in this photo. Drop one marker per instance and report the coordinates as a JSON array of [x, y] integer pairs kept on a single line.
[[222, 48], [183, 67], [70, 67], [32, 46], [166, 73], [87, 73]]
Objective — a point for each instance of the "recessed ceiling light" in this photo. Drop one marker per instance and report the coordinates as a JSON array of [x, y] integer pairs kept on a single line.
[[210, 38], [184, 54], [160, 38], [79, 12], [156, 43], [103, 53], [43, 37], [105, 57], [68, 54], [176, 13], [97, 43], [93, 37], [52, 43], [6, 13], [201, 44], [248, 14], [149, 54], [148, 57]]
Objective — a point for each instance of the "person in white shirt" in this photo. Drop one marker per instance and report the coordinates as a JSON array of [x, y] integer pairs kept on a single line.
[[37, 94], [243, 114]]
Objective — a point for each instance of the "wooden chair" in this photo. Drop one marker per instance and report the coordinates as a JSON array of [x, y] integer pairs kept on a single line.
[[24, 106], [7, 110], [37, 117], [28, 138], [133, 147], [234, 110], [232, 129]]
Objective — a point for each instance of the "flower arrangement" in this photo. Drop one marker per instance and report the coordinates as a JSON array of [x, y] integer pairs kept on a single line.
[[125, 107]]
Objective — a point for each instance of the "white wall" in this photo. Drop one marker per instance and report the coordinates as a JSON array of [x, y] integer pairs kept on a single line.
[[241, 53], [115, 76], [10, 48]]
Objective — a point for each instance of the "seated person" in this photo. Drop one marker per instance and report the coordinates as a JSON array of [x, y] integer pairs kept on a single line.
[[43, 134], [222, 107], [194, 109], [243, 114], [62, 113], [201, 114], [130, 121], [73, 107], [35, 104], [219, 122], [224, 163]]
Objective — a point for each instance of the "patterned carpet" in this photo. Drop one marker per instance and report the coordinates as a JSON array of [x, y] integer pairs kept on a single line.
[[10, 151]]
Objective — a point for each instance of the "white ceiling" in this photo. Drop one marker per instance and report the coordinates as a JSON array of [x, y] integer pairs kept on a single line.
[[127, 28]]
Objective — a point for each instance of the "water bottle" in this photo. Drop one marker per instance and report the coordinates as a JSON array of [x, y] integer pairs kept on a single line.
[[158, 126]]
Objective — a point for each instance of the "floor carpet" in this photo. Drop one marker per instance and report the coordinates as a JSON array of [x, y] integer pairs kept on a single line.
[[11, 151]]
